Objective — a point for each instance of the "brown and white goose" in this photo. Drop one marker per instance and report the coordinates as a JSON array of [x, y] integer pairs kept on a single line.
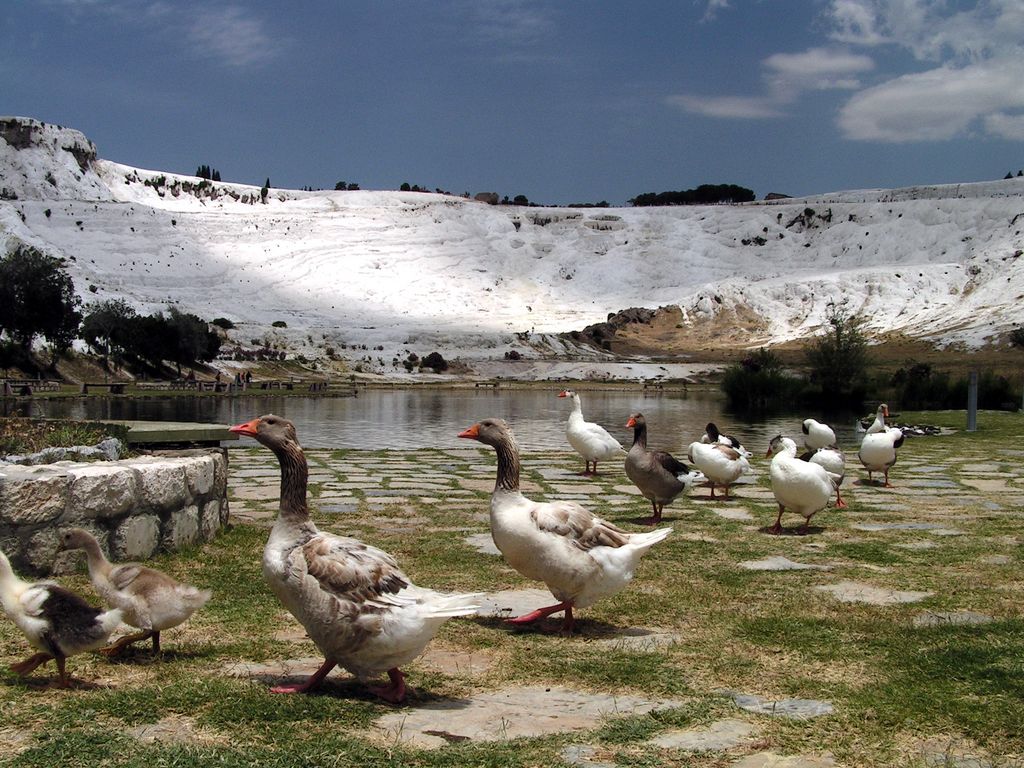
[[54, 619], [356, 604], [149, 599], [658, 474], [580, 557]]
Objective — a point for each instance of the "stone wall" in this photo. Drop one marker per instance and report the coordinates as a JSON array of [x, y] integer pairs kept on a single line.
[[135, 507]]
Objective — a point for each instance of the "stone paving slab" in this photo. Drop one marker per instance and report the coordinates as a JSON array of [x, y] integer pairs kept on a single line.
[[856, 592], [716, 737], [512, 713]]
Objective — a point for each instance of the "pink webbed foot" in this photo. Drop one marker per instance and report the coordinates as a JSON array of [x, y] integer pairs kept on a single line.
[[310, 683], [394, 693], [540, 613]]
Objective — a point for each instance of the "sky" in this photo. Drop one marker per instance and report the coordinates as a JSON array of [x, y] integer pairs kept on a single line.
[[562, 102]]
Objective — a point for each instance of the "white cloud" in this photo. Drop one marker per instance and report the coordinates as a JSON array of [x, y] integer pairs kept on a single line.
[[939, 104], [975, 85], [714, 6], [815, 69], [786, 76], [742, 107], [232, 36], [1005, 126]]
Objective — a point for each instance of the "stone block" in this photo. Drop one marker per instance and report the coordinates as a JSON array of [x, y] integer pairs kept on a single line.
[[33, 495], [101, 490], [220, 465], [162, 484], [136, 538], [210, 519], [200, 474], [181, 528]]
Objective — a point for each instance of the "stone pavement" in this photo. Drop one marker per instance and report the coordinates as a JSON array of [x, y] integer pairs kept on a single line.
[[936, 498]]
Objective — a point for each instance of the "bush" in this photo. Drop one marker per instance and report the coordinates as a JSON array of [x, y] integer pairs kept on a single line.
[[435, 362], [759, 383], [222, 322], [279, 324]]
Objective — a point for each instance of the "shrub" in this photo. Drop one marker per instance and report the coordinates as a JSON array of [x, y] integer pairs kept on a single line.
[[279, 324], [759, 383], [435, 362], [222, 322]]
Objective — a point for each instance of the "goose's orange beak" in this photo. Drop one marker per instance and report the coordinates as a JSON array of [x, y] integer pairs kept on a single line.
[[768, 453], [631, 423], [885, 411], [248, 428], [472, 433], [563, 393]]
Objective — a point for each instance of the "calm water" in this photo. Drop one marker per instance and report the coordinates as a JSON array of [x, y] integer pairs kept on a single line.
[[422, 418]]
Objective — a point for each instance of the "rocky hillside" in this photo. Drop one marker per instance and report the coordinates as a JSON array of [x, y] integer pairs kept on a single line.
[[373, 276]]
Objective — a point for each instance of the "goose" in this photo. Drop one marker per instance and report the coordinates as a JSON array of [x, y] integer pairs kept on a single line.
[[878, 425], [834, 462], [799, 486], [818, 435], [356, 604], [589, 440], [721, 464], [878, 451], [713, 436], [149, 599], [580, 557], [658, 474], [54, 619]]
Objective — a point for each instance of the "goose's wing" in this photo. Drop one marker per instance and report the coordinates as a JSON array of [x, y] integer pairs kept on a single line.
[[350, 570], [596, 432], [124, 576], [669, 462], [577, 525]]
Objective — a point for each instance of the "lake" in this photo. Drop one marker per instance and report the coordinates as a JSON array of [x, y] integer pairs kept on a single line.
[[432, 418]]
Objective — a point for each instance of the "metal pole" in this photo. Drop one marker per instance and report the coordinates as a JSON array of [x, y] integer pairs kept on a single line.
[[972, 402]]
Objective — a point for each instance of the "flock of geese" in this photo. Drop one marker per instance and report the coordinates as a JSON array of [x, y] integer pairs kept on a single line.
[[358, 606]]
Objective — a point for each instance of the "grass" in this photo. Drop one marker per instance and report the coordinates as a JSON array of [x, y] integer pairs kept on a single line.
[[892, 685], [21, 435]]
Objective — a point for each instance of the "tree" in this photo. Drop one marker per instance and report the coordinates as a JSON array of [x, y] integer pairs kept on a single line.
[[838, 360], [435, 362], [108, 328], [192, 339], [37, 298], [265, 190]]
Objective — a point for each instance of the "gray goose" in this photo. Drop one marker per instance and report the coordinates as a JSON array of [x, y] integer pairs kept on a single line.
[[356, 604], [659, 475]]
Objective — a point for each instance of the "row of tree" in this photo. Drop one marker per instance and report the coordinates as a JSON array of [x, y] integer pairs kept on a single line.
[[38, 300], [705, 194]]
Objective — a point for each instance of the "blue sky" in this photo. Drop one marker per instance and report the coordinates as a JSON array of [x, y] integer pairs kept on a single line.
[[559, 101]]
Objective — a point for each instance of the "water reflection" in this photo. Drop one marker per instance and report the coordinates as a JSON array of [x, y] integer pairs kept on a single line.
[[429, 418]]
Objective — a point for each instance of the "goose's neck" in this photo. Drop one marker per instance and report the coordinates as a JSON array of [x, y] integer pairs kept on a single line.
[[294, 477], [508, 466], [640, 435], [98, 564]]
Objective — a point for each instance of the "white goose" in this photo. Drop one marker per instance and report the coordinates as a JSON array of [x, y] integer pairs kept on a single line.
[[799, 486], [589, 440], [149, 599], [878, 425], [834, 462], [721, 464], [54, 619], [580, 557], [818, 435], [355, 603], [878, 451]]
